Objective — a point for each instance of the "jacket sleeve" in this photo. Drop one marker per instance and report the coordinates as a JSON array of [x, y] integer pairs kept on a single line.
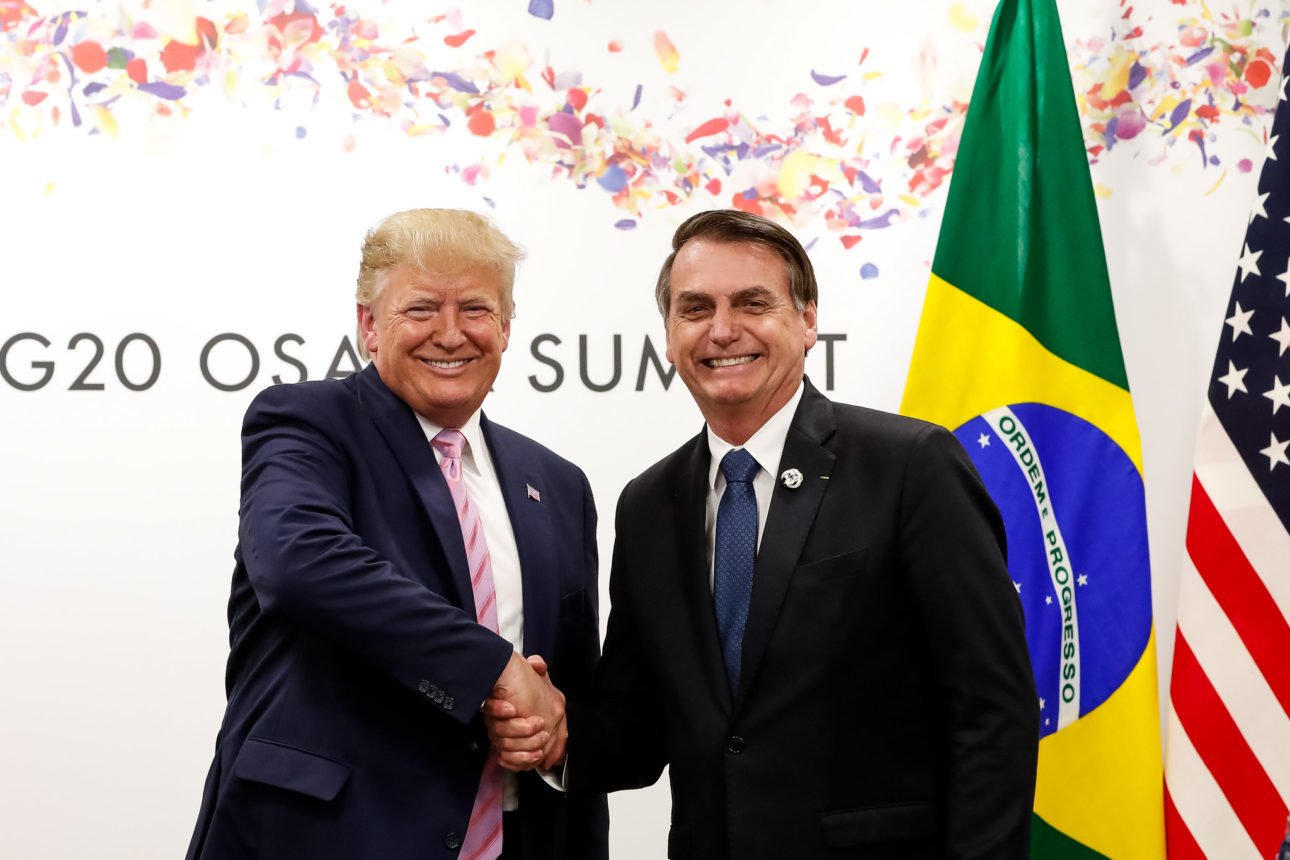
[[954, 550], [307, 563]]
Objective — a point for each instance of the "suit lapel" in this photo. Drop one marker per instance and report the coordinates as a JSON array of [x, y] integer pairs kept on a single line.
[[534, 540], [402, 432], [690, 493], [788, 525]]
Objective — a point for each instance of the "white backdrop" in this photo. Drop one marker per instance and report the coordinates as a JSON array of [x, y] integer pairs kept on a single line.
[[242, 214]]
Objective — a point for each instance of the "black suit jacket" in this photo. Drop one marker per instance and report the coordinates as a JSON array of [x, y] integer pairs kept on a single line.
[[356, 668], [887, 707]]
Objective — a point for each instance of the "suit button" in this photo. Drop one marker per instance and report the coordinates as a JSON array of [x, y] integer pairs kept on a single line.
[[476, 746], [437, 695], [452, 841], [447, 704], [423, 687], [735, 744]]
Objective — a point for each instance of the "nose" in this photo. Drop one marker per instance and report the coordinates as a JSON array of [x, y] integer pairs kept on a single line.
[[724, 329], [446, 333]]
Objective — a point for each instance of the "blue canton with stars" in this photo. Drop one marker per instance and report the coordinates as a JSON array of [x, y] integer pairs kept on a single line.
[[1250, 388]]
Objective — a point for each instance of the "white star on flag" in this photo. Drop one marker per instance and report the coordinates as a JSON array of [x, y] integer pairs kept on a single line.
[[1279, 395], [1282, 337], [983, 440], [1272, 147], [1234, 380], [1276, 453], [1049, 600], [1249, 262], [1018, 585], [1284, 277], [1258, 211], [1283, 88], [1082, 579], [1240, 322]]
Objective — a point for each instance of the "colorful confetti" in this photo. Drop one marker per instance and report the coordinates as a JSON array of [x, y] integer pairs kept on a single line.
[[822, 161]]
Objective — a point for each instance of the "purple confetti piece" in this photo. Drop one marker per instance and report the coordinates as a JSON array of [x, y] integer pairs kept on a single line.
[[60, 33], [826, 80], [881, 222], [162, 90], [457, 82], [1200, 55], [749, 194], [543, 9], [491, 203], [301, 132], [613, 180], [766, 149], [625, 224], [446, 122], [91, 89], [868, 271], [1179, 114], [811, 244], [636, 100], [1136, 75], [867, 183], [567, 125], [1108, 137]]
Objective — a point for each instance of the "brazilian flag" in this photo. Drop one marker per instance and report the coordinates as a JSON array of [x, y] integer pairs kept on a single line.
[[1017, 350]]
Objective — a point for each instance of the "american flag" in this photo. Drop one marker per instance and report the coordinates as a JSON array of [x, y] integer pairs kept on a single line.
[[1227, 738]]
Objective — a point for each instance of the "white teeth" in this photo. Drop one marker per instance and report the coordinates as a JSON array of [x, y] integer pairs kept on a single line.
[[727, 362], [446, 364]]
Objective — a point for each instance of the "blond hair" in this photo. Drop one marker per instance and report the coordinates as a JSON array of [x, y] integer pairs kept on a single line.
[[443, 241]]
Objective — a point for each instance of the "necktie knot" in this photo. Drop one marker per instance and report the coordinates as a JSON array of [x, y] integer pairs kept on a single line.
[[739, 466], [449, 443]]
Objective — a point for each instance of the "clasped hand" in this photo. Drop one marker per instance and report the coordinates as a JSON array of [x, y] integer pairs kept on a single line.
[[525, 716]]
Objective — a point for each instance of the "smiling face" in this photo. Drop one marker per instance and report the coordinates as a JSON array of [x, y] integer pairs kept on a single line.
[[734, 335], [437, 340]]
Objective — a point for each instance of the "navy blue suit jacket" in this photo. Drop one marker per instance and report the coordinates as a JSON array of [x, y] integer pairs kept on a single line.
[[356, 670]]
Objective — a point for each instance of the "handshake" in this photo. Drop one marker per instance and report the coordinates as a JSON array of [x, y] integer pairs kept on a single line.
[[525, 716]]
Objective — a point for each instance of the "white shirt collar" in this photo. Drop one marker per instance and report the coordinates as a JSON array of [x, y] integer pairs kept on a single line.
[[766, 445], [475, 455]]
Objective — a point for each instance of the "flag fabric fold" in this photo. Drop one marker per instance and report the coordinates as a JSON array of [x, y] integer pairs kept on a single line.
[[1018, 352], [1227, 738]]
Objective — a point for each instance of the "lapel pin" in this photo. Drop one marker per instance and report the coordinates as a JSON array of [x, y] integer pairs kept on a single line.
[[791, 478], [532, 492]]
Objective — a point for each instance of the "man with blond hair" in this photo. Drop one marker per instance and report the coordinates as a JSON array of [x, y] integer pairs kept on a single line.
[[397, 553]]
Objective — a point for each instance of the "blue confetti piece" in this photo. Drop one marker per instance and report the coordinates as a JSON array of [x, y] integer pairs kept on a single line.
[[1200, 55], [163, 90], [91, 89], [826, 80], [1179, 114], [868, 271], [543, 9], [491, 203], [811, 244], [637, 99], [881, 222], [625, 224], [1136, 75], [301, 132], [1109, 136], [457, 82], [867, 182], [614, 179]]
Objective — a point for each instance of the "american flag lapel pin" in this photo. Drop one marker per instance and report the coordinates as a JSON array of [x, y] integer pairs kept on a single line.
[[532, 492]]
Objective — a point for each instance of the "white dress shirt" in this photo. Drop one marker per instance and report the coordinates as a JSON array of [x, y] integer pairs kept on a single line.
[[766, 447]]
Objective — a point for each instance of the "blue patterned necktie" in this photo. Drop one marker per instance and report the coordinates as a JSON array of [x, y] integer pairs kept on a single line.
[[736, 550]]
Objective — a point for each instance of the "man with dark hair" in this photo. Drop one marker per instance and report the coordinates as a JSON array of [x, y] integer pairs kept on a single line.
[[397, 550], [812, 621]]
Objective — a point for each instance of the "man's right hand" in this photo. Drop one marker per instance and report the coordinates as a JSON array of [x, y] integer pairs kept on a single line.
[[525, 716]]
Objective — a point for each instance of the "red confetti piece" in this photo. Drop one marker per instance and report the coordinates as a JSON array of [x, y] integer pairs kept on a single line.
[[713, 186], [849, 242], [137, 69], [33, 97], [855, 104], [89, 57], [1207, 112], [577, 98], [359, 97], [458, 40], [709, 128], [746, 204], [1134, 33], [615, 46], [208, 33], [481, 123], [1258, 73], [179, 57]]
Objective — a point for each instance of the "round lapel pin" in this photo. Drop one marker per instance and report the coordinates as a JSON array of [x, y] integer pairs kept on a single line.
[[791, 478]]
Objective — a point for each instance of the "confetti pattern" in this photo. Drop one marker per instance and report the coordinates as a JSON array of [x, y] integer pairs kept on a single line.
[[821, 159]]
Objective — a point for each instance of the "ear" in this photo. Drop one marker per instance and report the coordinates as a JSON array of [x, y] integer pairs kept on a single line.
[[367, 327], [506, 334], [808, 318], [667, 339]]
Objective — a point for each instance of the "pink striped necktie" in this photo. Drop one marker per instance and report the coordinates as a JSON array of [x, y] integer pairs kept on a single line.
[[484, 833]]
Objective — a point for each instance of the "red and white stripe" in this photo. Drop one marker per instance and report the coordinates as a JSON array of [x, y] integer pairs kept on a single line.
[[1227, 739]]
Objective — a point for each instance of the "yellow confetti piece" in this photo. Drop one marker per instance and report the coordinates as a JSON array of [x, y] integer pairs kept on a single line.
[[910, 200], [1221, 177], [1117, 76], [49, 188], [1100, 190], [668, 57], [962, 19], [105, 121]]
